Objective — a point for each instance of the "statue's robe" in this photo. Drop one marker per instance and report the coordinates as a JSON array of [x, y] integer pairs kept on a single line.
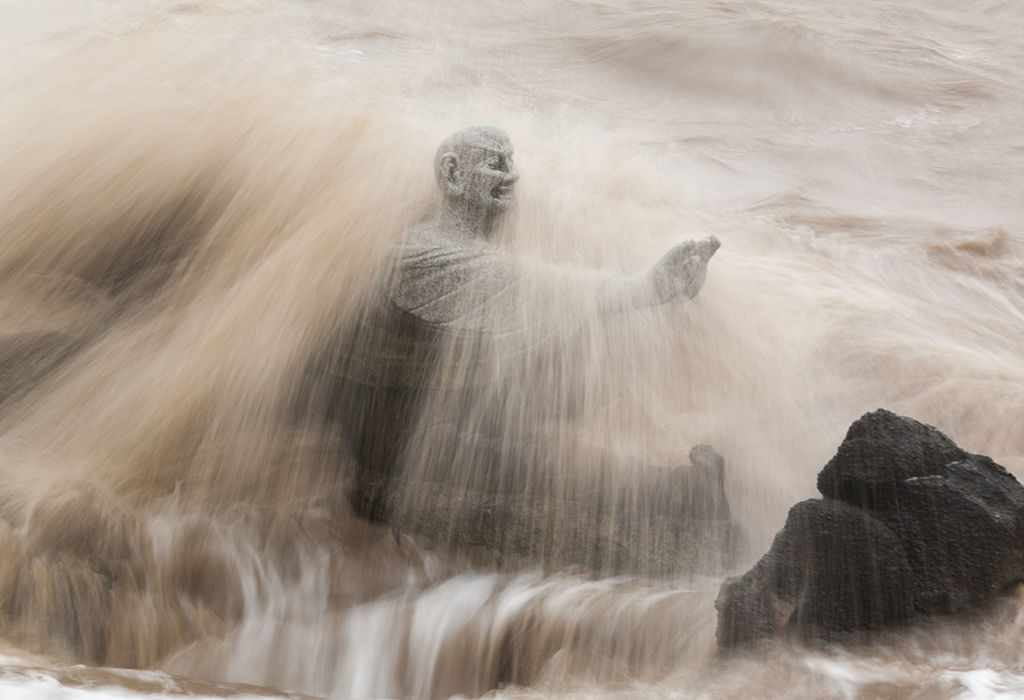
[[443, 290], [442, 395], [431, 339]]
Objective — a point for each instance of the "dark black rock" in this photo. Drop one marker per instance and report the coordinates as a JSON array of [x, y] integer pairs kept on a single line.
[[911, 525], [831, 569], [959, 516], [880, 452]]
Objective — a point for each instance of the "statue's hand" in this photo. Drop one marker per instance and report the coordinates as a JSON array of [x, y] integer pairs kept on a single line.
[[683, 269]]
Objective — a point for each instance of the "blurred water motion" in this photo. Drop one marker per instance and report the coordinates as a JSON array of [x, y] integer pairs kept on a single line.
[[193, 193]]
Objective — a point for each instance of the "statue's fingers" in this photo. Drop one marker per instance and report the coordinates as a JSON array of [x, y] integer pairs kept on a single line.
[[709, 246], [683, 250]]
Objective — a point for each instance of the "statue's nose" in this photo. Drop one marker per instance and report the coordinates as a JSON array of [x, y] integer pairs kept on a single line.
[[512, 175]]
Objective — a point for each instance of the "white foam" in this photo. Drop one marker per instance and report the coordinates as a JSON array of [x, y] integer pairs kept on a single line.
[[18, 683], [987, 683]]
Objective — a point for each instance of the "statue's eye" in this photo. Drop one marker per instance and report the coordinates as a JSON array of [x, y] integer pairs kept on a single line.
[[499, 164]]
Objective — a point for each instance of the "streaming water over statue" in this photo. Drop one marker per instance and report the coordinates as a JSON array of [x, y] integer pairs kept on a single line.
[[200, 202]]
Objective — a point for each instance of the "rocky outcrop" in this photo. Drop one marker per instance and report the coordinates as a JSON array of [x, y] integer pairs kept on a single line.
[[910, 526]]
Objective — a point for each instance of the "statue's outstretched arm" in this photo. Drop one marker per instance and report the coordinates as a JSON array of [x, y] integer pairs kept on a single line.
[[680, 272]]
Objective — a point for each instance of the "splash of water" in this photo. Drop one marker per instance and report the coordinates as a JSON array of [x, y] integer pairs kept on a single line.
[[193, 195]]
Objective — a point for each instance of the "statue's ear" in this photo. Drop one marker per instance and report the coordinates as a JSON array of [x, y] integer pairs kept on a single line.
[[450, 174]]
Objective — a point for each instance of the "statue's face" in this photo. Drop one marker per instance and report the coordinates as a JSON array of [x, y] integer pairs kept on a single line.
[[474, 167], [489, 176]]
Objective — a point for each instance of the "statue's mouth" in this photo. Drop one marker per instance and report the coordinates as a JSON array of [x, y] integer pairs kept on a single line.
[[501, 191]]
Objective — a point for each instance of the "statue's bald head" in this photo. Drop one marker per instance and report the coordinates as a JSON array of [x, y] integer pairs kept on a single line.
[[462, 144], [474, 166]]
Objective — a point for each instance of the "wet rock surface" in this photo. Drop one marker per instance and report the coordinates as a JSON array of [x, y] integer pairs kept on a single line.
[[910, 526]]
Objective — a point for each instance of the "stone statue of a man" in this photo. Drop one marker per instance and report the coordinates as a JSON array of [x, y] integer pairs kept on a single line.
[[451, 281], [450, 275]]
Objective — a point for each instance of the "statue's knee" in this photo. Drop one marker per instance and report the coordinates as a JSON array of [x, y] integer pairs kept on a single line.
[[708, 483]]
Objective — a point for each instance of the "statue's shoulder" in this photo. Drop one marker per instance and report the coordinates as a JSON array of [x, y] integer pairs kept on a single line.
[[429, 245], [418, 238], [429, 234]]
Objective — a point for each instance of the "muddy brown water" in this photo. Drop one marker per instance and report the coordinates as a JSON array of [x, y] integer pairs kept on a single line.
[[192, 191]]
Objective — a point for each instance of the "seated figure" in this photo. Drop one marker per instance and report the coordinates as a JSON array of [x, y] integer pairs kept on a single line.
[[452, 286]]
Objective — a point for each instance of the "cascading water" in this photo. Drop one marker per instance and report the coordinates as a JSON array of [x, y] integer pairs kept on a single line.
[[195, 195]]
